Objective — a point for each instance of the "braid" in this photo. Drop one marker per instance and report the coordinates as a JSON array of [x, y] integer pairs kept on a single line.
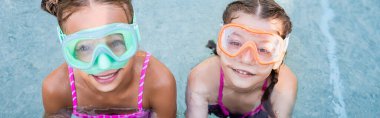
[[50, 6], [212, 45], [265, 100]]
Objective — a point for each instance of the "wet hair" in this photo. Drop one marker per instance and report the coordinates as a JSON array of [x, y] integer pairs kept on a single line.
[[63, 9], [212, 45], [265, 9]]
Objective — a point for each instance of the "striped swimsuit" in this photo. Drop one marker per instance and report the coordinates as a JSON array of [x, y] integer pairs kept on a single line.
[[141, 112]]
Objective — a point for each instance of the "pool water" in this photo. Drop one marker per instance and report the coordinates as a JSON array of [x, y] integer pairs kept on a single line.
[[333, 51]]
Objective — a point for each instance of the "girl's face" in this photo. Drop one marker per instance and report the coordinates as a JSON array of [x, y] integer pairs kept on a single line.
[[92, 16], [244, 71]]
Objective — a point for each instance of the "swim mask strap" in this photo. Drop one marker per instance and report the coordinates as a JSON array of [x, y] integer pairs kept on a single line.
[[286, 43], [136, 28], [61, 35]]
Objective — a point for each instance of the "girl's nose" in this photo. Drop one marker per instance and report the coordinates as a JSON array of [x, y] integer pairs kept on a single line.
[[247, 56]]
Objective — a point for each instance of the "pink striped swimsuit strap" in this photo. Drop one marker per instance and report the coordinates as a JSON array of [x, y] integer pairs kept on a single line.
[[134, 115], [141, 83], [73, 89]]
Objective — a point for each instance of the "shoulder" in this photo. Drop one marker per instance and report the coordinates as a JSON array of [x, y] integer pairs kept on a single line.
[[203, 78], [158, 73], [158, 77], [285, 92], [287, 81], [56, 90], [202, 87], [211, 64], [161, 88]]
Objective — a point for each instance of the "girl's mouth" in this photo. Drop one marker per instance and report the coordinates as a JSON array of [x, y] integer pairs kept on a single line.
[[243, 73], [107, 77]]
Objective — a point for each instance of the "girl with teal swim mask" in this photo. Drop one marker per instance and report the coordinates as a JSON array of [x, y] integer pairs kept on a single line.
[[105, 73]]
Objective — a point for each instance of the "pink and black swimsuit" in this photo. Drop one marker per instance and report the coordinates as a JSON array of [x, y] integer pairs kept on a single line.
[[221, 111]]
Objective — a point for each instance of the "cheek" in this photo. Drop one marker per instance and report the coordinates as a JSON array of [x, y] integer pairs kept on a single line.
[[264, 69], [226, 61], [80, 73], [122, 73]]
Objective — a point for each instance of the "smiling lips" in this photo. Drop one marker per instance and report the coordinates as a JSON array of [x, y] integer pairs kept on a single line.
[[106, 78], [243, 73]]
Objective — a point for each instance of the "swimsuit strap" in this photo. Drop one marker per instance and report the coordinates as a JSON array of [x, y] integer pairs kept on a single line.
[[265, 85], [73, 89], [141, 83]]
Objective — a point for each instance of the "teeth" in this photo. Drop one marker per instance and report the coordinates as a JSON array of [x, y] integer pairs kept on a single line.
[[242, 72], [106, 77]]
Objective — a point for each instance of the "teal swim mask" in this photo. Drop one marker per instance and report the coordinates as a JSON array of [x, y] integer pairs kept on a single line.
[[102, 48]]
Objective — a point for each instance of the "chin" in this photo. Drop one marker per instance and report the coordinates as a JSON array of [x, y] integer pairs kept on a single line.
[[241, 83], [244, 82], [105, 89]]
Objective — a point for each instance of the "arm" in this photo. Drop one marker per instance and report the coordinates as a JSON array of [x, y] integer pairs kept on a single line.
[[163, 96], [285, 93], [196, 102], [200, 86], [54, 95], [164, 102]]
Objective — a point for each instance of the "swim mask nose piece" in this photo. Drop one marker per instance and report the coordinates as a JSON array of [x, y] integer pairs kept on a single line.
[[249, 55], [248, 48], [104, 62]]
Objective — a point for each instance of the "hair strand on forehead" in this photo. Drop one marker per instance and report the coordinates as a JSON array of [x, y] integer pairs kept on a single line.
[[62, 9]]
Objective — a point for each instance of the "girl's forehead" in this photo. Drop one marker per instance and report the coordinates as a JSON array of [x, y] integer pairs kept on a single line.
[[94, 16], [255, 22]]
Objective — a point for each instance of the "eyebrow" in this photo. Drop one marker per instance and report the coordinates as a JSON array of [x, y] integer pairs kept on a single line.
[[237, 34]]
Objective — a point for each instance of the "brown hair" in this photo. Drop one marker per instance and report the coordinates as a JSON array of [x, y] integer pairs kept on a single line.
[[266, 9], [62, 9]]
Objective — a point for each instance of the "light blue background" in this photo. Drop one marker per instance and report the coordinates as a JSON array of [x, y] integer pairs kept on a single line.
[[176, 32]]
